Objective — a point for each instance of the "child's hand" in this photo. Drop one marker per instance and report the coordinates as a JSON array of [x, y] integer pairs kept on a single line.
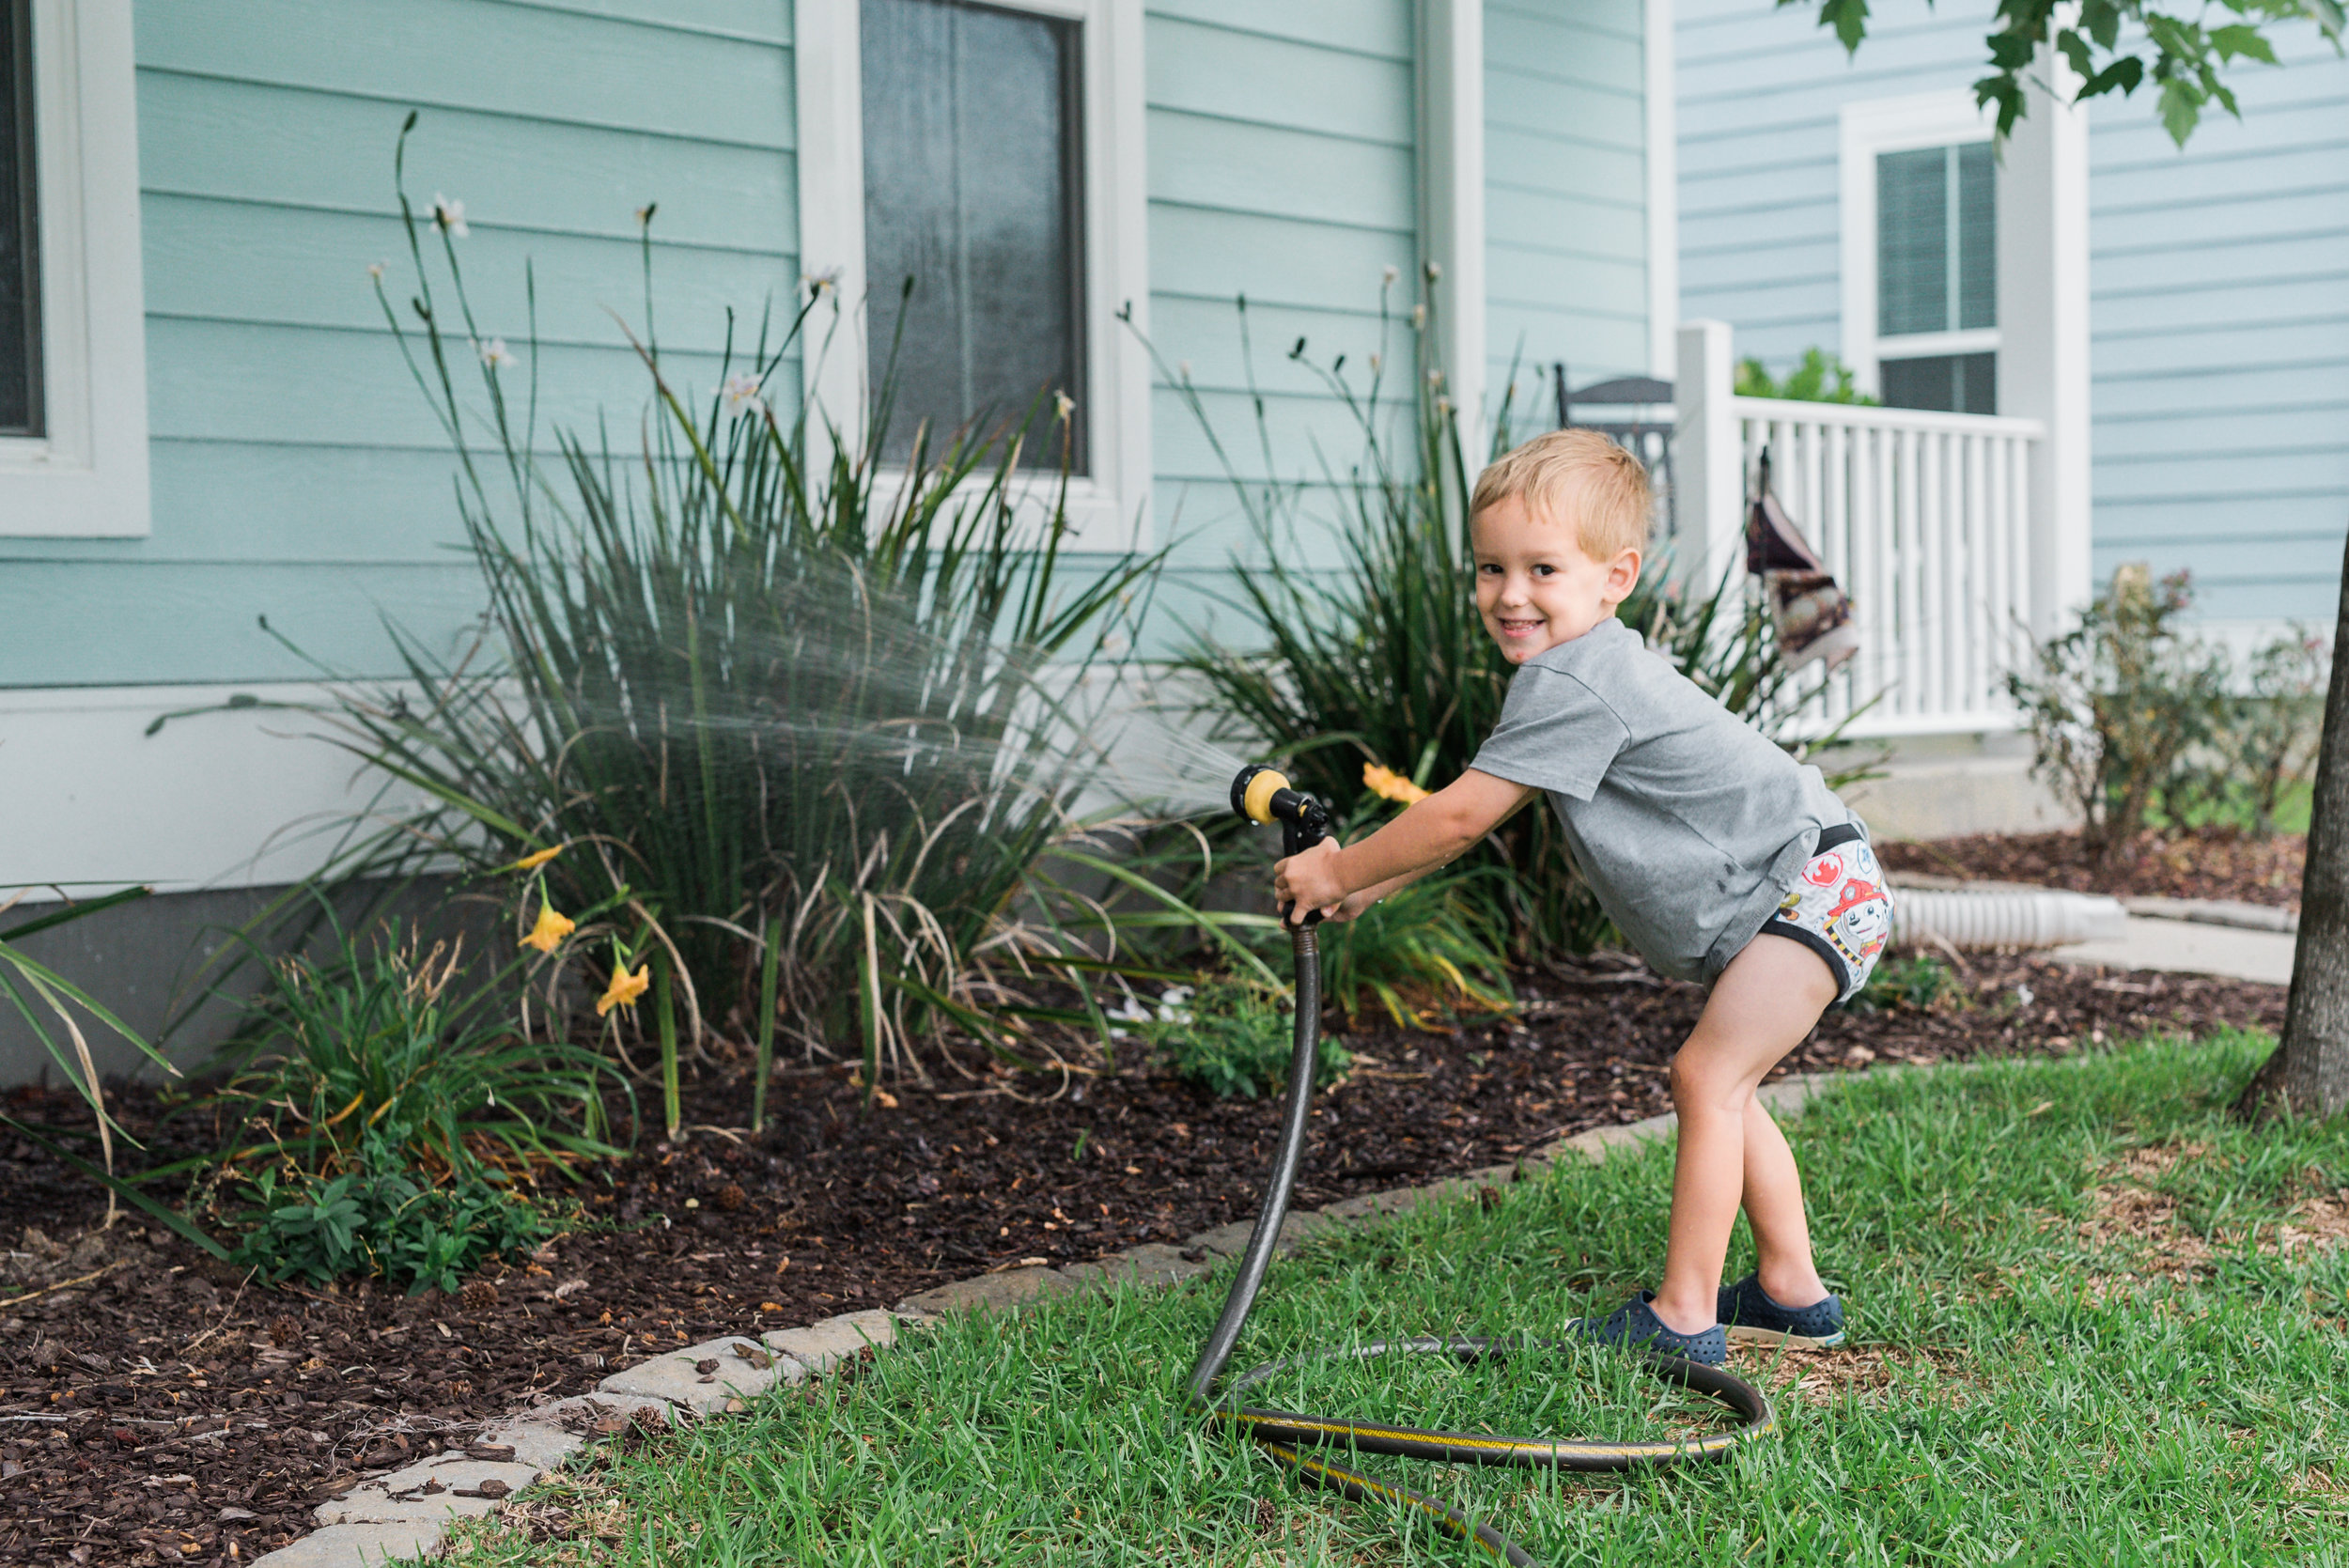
[[1310, 881], [1351, 906]]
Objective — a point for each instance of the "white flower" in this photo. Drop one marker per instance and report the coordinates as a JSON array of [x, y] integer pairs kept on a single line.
[[819, 281], [1182, 369], [1419, 318], [1064, 405], [741, 394], [1131, 1012], [1174, 996], [375, 270], [494, 355], [450, 215], [1373, 365], [1389, 273], [1434, 272]]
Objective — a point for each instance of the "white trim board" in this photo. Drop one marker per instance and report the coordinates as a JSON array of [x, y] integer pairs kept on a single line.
[[1663, 189], [86, 477], [216, 801], [1110, 509], [1894, 125], [1451, 84]]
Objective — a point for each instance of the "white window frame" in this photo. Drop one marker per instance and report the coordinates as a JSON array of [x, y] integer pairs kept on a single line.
[[1896, 125], [86, 477], [1110, 508]]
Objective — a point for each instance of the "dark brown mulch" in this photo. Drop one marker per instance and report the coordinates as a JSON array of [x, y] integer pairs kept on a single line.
[[159, 1407], [2214, 865]]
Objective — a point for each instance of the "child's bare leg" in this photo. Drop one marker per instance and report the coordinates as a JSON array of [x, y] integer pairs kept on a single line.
[[1763, 1005], [1773, 1203]]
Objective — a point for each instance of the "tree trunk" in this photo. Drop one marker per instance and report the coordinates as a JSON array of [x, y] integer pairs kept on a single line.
[[2309, 1073]]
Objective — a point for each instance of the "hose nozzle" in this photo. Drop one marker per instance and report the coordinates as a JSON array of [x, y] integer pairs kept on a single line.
[[1263, 795]]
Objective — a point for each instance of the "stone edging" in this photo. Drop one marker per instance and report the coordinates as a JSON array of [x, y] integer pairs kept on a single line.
[[406, 1514]]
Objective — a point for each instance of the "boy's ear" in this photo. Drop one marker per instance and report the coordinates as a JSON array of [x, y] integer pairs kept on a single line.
[[1623, 575]]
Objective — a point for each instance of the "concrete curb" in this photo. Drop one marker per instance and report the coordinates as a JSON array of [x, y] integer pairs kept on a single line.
[[406, 1514]]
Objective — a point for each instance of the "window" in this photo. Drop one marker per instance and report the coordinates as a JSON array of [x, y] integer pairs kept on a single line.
[[72, 321], [973, 220], [992, 153], [20, 234], [1920, 310]]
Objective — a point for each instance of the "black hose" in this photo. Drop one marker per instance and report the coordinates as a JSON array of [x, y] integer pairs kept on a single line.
[[1283, 1432]]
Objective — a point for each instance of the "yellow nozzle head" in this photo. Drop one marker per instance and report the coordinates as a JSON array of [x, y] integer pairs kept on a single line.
[[1256, 802]]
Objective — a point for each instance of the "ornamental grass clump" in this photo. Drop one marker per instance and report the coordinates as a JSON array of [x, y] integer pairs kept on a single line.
[[810, 726], [1380, 657]]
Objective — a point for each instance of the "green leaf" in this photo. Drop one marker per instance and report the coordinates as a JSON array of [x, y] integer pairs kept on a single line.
[[2181, 109], [1849, 18], [2241, 40]]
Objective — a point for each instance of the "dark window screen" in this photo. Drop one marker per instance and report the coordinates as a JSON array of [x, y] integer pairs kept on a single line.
[[972, 190], [1936, 240], [19, 273], [1955, 384]]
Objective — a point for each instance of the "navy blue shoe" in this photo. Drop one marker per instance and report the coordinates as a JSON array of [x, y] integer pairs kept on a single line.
[[1752, 1317], [1634, 1323]]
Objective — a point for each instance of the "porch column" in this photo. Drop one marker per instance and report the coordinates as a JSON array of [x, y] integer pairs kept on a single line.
[[1452, 200], [2042, 331], [1708, 467]]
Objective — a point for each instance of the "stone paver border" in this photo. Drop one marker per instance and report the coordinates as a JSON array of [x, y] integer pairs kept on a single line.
[[405, 1514]]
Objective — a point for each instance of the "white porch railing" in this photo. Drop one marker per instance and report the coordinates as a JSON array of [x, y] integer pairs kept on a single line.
[[1924, 517]]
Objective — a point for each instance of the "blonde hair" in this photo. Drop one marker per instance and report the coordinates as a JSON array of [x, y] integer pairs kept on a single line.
[[1606, 484]]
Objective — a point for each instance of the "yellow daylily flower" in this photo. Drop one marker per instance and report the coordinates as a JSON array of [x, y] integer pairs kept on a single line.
[[533, 861], [1387, 785], [551, 928], [625, 988]]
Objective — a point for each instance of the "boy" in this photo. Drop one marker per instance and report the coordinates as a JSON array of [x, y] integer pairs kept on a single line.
[[1719, 858]]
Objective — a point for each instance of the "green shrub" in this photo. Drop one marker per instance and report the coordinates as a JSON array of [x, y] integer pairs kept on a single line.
[[1234, 1039], [1383, 658], [2136, 721], [1915, 983], [1820, 377], [377, 1221], [802, 727], [386, 1116]]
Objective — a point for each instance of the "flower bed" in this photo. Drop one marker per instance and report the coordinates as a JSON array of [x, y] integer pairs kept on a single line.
[[194, 1412]]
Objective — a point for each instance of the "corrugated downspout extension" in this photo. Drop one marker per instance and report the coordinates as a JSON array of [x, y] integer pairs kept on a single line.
[[2043, 917]]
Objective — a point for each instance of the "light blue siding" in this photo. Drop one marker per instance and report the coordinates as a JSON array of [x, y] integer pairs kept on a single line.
[[1566, 208], [2222, 360], [297, 471], [1283, 147], [2219, 279]]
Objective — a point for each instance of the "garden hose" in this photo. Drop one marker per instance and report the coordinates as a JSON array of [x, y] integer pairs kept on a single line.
[[1263, 796]]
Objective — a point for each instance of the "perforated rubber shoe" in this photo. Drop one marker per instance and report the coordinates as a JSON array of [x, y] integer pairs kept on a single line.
[[1634, 1323], [1752, 1318]]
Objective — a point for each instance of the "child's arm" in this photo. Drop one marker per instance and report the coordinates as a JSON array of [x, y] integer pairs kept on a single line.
[[1431, 833]]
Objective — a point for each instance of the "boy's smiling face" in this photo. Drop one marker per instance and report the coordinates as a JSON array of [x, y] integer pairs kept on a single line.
[[1534, 585]]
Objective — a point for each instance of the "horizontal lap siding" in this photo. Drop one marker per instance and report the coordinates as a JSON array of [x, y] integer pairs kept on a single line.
[[1760, 186], [1565, 205], [297, 471], [2219, 279], [1281, 146], [2222, 322]]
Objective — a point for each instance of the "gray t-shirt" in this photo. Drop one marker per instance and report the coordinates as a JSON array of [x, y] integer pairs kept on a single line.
[[1685, 821]]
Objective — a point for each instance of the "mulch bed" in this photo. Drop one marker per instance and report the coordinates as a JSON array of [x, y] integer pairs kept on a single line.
[[156, 1406], [2214, 865]]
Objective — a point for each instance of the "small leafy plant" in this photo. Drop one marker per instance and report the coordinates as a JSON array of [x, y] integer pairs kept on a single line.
[[376, 1220], [1821, 378], [1915, 983], [2137, 721], [385, 1117], [1234, 1039]]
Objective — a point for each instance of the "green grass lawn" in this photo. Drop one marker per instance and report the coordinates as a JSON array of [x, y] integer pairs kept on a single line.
[[2094, 1321]]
